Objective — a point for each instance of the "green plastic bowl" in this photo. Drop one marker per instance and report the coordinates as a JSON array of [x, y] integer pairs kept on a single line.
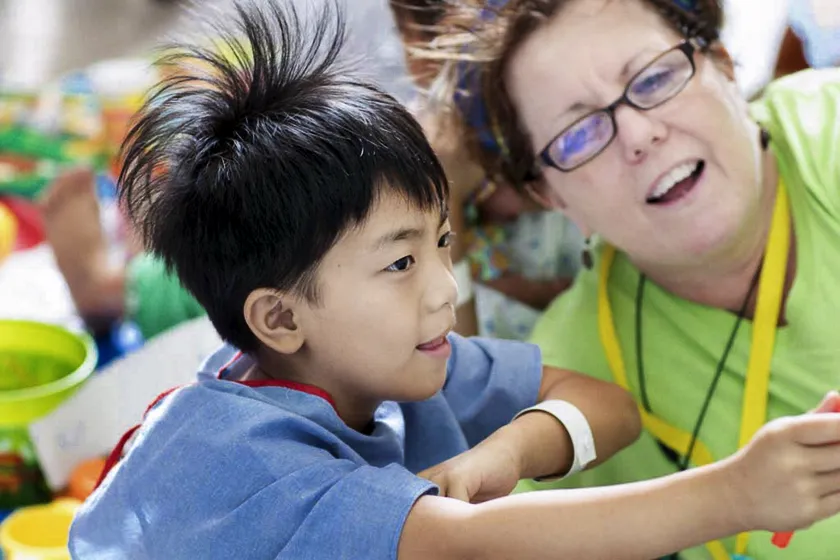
[[41, 365]]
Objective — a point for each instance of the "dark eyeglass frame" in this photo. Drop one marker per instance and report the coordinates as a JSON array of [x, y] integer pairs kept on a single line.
[[687, 47]]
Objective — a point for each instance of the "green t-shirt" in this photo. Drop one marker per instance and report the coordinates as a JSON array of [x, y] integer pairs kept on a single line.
[[683, 341], [155, 299]]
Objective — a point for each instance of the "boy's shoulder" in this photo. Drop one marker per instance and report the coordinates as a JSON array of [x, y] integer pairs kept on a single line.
[[221, 467], [230, 413]]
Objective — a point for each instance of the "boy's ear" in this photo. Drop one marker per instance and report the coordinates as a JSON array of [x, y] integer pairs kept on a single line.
[[271, 317]]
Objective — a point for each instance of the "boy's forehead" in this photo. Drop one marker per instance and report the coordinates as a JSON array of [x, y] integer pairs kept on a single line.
[[389, 206], [393, 218]]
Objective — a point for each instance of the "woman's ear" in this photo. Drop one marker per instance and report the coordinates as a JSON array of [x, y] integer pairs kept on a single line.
[[550, 199], [722, 59]]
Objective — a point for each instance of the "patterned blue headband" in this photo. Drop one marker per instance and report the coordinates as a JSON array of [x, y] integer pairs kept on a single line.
[[468, 96]]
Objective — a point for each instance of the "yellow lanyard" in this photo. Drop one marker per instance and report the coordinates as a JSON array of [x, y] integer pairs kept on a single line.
[[756, 388]]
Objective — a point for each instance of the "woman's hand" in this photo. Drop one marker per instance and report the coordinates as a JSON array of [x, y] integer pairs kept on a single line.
[[788, 477]]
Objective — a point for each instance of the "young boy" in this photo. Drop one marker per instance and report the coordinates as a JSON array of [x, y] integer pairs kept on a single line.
[[307, 213]]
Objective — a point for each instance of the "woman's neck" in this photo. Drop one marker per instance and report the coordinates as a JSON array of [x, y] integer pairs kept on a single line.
[[723, 285], [723, 280]]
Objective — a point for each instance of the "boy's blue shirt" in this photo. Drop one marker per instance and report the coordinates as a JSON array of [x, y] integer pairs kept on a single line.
[[224, 470]]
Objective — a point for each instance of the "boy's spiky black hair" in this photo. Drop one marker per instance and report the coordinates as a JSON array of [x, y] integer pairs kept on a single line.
[[251, 159]]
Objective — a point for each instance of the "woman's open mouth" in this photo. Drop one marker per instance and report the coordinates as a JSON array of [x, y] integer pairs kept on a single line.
[[677, 183]]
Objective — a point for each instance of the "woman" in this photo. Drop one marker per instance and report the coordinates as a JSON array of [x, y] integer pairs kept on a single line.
[[714, 291]]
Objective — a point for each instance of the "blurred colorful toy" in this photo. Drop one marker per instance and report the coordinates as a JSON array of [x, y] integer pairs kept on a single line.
[[81, 120], [8, 231], [29, 159], [782, 540], [40, 366], [84, 478], [123, 338], [30, 224], [37, 138], [39, 532]]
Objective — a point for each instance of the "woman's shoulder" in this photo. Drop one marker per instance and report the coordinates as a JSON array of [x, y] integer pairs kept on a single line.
[[801, 112], [812, 95], [811, 80], [807, 99]]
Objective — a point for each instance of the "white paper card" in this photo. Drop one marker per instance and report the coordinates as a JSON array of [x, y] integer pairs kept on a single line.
[[92, 421]]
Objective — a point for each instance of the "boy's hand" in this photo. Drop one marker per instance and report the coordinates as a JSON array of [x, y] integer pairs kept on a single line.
[[536, 444], [487, 471], [788, 477]]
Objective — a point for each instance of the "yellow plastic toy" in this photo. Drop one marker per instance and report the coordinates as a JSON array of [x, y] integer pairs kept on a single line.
[[39, 532], [8, 231], [41, 366]]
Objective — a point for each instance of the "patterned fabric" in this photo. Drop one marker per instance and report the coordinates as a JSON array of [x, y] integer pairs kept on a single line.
[[540, 245]]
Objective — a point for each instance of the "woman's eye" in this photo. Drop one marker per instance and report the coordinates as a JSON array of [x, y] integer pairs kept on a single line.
[[653, 81], [401, 265]]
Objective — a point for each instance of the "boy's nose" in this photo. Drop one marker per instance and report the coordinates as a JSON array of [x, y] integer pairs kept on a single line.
[[443, 289]]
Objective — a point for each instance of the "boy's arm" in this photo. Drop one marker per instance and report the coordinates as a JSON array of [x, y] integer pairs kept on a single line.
[[536, 444], [643, 520], [779, 482], [543, 443]]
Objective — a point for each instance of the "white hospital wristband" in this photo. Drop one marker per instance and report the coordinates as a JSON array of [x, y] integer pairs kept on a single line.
[[463, 277], [583, 443]]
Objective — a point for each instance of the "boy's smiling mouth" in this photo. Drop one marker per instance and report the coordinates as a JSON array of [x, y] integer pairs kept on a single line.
[[437, 347]]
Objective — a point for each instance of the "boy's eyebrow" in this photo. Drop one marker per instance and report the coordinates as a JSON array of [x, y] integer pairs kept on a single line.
[[405, 234], [397, 235]]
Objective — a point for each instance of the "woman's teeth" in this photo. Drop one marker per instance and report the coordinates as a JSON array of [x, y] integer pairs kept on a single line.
[[675, 177]]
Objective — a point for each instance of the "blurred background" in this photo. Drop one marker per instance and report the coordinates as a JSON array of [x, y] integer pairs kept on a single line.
[[41, 40], [72, 72]]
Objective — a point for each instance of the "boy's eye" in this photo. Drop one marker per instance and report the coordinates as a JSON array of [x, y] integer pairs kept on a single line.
[[401, 265], [445, 239]]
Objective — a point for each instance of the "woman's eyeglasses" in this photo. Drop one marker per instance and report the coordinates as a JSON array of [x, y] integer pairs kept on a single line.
[[653, 85]]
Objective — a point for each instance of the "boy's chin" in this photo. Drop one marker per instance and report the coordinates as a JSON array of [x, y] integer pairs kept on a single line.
[[429, 387]]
